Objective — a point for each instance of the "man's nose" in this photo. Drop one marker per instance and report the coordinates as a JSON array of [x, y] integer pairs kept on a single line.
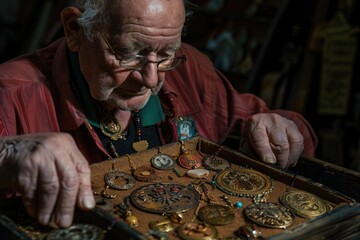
[[149, 74]]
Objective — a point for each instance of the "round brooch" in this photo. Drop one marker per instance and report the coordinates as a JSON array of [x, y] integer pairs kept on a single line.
[[243, 182], [165, 198], [269, 215], [197, 231], [216, 214], [78, 231], [190, 160], [304, 204], [113, 175], [162, 162], [145, 174], [215, 163]]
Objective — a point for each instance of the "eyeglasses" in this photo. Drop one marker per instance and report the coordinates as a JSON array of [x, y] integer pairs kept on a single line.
[[138, 62]]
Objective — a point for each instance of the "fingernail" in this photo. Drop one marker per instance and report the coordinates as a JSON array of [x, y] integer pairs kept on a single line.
[[65, 220], [89, 202], [270, 159], [45, 219]]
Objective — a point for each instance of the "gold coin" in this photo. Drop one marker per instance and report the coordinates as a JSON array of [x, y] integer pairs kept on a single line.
[[216, 214], [197, 231], [304, 204]]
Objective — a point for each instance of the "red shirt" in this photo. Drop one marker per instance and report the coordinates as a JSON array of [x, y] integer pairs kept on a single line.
[[35, 96]]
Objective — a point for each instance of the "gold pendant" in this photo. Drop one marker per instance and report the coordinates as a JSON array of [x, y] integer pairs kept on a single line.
[[111, 128], [244, 182], [304, 204], [216, 214], [140, 145], [270, 215], [197, 231]]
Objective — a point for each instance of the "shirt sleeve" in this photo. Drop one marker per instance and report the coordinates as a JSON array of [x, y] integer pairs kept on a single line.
[[218, 108]]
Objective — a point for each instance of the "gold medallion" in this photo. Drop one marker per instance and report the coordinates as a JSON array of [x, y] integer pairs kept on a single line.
[[216, 214], [165, 198], [190, 160], [162, 225], [197, 231], [269, 215], [243, 182], [145, 174], [141, 145], [304, 204], [111, 128], [77, 231]]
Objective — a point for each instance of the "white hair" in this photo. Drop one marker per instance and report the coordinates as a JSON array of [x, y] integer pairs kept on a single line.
[[94, 14]]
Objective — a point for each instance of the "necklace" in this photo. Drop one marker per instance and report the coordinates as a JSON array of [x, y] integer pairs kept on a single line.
[[111, 128], [213, 213], [139, 144]]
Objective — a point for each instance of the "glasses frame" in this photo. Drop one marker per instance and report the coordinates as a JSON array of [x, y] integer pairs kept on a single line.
[[144, 60]]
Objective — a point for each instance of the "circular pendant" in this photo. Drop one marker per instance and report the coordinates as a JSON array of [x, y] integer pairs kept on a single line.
[[215, 214], [190, 160], [145, 174], [78, 231], [162, 161], [165, 198], [197, 231], [243, 182], [304, 204], [215, 163], [162, 225], [113, 175], [141, 145], [269, 215], [111, 128]]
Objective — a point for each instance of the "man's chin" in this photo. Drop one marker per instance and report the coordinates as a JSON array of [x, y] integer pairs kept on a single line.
[[132, 104]]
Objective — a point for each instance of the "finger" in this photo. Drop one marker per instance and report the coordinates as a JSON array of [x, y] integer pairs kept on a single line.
[[280, 146], [85, 197], [48, 188], [69, 183], [259, 141], [27, 184], [296, 142]]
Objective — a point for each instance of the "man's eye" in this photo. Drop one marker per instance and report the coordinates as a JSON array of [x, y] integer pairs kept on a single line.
[[129, 57], [165, 55]]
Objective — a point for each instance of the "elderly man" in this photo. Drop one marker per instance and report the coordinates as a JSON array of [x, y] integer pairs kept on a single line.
[[120, 81]]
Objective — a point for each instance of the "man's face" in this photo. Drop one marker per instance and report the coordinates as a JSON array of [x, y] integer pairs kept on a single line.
[[151, 28]]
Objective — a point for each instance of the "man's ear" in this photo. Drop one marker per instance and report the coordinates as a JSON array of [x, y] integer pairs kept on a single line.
[[72, 30]]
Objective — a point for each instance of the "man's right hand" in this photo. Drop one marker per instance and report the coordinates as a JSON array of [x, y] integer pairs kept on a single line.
[[50, 173]]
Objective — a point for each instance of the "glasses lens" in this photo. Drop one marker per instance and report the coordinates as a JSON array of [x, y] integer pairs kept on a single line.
[[169, 64]]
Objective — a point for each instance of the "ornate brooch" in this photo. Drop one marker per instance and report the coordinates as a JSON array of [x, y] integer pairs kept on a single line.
[[165, 198]]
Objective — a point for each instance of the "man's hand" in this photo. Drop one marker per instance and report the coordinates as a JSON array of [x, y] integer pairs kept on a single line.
[[274, 138], [50, 173]]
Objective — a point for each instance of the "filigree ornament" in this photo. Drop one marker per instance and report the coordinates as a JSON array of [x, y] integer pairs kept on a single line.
[[244, 182], [78, 231], [165, 198], [269, 215], [304, 204]]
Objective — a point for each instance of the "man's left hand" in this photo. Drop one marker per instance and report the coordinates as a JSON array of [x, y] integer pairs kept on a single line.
[[274, 138]]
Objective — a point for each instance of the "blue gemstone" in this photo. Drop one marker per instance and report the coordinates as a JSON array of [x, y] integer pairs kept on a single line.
[[238, 204]]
